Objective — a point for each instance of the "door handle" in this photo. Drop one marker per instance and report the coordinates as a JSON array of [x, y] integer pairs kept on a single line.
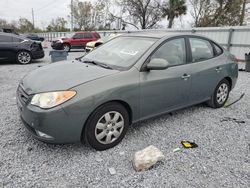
[[185, 76], [218, 69]]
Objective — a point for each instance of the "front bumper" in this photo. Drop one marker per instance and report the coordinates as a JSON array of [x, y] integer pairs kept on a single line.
[[88, 48], [59, 126], [57, 45]]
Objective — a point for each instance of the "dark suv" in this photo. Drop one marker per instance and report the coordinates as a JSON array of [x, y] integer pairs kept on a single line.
[[18, 49], [77, 40]]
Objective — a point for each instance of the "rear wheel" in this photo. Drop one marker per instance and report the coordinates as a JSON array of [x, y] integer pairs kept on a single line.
[[107, 126], [66, 47], [23, 57], [220, 94]]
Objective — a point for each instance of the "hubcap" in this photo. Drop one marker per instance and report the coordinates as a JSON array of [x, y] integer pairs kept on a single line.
[[24, 57], [66, 47], [109, 127], [222, 93]]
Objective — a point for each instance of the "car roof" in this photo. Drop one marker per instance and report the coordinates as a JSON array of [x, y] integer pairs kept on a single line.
[[13, 35], [85, 32], [9, 34], [162, 34]]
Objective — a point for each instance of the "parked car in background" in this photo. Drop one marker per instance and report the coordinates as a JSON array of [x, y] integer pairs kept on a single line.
[[92, 45], [128, 79], [8, 30], [14, 48], [33, 37], [76, 41]]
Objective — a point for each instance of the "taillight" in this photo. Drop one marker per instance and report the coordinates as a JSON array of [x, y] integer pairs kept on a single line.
[[236, 60]]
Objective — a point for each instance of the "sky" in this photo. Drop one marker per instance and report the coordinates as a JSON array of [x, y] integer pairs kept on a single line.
[[46, 10]]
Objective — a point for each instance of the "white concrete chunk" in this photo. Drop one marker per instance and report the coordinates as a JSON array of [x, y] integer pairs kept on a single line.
[[146, 158]]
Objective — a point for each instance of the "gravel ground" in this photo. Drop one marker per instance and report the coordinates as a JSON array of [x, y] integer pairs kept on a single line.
[[221, 160]]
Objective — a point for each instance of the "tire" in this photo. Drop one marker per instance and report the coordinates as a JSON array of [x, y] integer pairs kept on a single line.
[[23, 57], [66, 47], [106, 126], [220, 95]]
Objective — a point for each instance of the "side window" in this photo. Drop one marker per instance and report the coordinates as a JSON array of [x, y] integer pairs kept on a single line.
[[87, 36], [218, 50], [173, 51], [78, 36], [201, 49], [5, 38]]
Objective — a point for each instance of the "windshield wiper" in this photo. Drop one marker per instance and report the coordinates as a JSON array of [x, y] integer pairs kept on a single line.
[[98, 64]]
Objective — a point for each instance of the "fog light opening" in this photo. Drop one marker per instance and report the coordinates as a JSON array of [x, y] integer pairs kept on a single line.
[[43, 135]]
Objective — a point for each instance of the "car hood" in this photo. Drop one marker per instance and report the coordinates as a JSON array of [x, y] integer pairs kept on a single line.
[[91, 44], [62, 76]]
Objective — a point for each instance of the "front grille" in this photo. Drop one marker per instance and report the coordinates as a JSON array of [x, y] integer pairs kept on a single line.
[[22, 95]]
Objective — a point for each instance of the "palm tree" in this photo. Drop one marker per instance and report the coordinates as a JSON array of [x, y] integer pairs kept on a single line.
[[173, 9]]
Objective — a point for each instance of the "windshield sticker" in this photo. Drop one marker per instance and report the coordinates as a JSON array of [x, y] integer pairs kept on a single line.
[[129, 52]]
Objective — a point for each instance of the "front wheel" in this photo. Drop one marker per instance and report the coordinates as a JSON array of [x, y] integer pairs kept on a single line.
[[107, 126], [66, 47], [23, 57], [220, 95]]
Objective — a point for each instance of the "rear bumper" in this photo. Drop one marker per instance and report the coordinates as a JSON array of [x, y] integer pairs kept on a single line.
[[37, 54]]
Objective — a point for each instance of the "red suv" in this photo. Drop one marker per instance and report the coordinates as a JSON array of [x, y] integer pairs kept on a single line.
[[77, 40]]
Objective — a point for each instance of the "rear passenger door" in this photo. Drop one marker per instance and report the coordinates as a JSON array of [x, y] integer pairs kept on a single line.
[[6, 48], [207, 68]]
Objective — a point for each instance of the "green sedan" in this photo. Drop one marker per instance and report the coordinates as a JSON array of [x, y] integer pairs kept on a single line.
[[128, 79]]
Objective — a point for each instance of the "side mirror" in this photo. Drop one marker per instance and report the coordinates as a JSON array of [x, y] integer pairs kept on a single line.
[[157, 64]]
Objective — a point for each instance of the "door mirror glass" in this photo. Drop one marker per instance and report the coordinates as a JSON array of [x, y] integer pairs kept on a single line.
[[157, 64]]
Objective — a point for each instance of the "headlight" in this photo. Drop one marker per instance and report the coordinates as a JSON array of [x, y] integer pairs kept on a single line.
[[52, 99], [59, 41]]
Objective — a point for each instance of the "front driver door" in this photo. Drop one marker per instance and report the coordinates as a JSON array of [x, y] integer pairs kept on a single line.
[[165, 90], [77, 40]]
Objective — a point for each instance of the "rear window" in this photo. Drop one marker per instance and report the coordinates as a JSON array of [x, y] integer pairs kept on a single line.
[[96, 35], [218, 49]]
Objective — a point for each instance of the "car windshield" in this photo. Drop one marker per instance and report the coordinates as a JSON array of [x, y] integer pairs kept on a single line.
[[121, 52]]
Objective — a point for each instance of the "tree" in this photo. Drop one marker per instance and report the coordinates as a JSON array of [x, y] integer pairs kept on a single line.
[[24, 25], [58, 25], [82, 14], [215, 13], [200, 8], [145, 13], [243, 11], [5, 24], [98, 14], [173, 9]]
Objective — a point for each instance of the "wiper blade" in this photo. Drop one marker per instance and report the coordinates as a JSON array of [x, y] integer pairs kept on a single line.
[[98, 64], [90, 62], [105, 66]]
